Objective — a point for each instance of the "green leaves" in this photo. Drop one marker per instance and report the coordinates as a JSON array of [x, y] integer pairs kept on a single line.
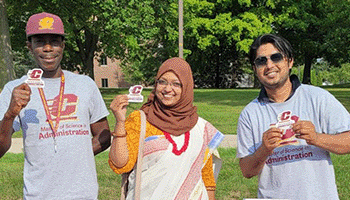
[[217, 34], [245, 2], [314, 28]]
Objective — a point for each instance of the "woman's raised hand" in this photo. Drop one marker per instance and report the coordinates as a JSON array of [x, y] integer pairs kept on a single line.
[[118, 153], [118, 107]]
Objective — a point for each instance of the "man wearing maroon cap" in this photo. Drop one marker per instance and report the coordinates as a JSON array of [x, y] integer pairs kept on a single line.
[[62, 116]]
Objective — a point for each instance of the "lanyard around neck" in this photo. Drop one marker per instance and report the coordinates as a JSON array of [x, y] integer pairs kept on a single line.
[[59, 110]]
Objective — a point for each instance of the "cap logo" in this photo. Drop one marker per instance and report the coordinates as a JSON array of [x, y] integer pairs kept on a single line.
[[46, 23]]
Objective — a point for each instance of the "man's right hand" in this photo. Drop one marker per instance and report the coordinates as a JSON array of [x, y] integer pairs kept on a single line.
[[253, 164], [19, 100], [271, 139]]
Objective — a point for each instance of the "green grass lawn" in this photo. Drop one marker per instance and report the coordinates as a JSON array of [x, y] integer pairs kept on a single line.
[[230, 185]]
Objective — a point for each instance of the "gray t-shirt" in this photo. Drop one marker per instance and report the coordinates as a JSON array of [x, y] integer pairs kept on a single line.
[[69, 173], [296, 170]]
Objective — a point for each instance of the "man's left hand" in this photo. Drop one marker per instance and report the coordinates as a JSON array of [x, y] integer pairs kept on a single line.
[[305, 130]]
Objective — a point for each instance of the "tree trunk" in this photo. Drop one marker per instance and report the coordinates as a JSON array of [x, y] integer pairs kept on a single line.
[[86, 48], [6, 59], [217, 72], [90, 48], [307, 69], [89, 65]]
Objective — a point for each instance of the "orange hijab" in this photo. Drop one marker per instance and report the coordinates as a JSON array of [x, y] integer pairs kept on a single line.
[[181, 117]]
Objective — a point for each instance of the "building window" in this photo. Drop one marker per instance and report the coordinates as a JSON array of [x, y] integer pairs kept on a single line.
[[103, 60], [104, 82]]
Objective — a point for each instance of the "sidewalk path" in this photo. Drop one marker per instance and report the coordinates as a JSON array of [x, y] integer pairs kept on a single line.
[[16, 146], [228, 142]]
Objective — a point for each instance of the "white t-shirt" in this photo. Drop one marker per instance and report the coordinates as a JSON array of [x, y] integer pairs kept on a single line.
[[70, 172], [296, 170]]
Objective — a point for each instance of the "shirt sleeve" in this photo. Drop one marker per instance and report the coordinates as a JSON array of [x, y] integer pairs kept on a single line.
[[334, 116], [208, 171], [208, 175], [98, 109], [245, 142]]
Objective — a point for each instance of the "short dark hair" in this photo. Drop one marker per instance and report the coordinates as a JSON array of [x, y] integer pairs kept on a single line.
[[279, 42]]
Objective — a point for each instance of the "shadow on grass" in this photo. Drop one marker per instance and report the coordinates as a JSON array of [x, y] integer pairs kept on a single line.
[[343, 95], [230, 97], [227, 97]]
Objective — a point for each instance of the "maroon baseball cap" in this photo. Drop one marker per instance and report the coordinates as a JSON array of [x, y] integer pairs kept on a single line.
[[44, 23]]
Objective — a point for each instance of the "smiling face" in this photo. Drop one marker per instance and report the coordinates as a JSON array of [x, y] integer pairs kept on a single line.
[[168, 89], [47, 50], [274, 74]]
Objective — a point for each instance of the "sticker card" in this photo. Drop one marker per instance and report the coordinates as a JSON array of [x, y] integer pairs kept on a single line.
[[285, 122], [34, 78], [135, 94]]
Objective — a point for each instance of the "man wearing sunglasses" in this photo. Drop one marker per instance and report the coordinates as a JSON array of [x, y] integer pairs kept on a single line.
[[286, 134]]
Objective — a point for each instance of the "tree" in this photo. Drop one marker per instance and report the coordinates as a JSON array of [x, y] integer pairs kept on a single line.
[[115, 28], [215, 54], [218, 36], [149, 37], [6, 61], [316, 29]]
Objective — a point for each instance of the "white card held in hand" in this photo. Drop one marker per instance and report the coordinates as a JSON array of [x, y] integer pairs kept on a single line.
[[135, 94], [285, 121], [34, 78]]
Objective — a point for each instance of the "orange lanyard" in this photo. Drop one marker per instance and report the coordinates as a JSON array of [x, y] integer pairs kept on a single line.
[[47, 111]]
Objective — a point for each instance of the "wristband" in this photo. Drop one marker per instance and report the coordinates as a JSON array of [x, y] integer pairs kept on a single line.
[[119, 136]]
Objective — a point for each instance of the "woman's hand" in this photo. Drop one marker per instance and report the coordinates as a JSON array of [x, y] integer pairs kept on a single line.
[[119, 154], [118, 107]]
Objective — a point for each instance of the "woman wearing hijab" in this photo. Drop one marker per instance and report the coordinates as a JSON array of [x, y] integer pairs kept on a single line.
[[176, 140]]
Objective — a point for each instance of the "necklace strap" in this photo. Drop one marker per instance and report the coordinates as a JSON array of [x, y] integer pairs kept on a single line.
[[183, 148], [59, 109]]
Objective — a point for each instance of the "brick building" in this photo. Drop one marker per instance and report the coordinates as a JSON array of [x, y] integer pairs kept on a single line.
[[108, 74]]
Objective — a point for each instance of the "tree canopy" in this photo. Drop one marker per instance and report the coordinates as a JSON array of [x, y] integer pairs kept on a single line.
[[316, 29], [217, 34]]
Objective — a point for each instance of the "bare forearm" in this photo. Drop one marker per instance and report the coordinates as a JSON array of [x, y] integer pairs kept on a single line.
[[101, 139], [100, 144], [338, 144], [211, 194], [119, 153], [252, 165], [6, 131]]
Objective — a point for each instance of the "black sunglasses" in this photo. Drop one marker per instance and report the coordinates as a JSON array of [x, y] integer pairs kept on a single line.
[[262, 61]]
